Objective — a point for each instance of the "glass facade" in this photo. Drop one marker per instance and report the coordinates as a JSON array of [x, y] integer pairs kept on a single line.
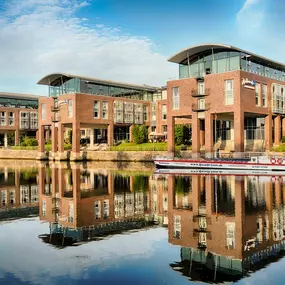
[[220, 61], [76, 85], [18, 103], [208, 63], [254, 128]]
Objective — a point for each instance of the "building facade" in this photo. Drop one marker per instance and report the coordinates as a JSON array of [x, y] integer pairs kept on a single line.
[[18, 117], [234, 98], [107, 110], [227, 225]]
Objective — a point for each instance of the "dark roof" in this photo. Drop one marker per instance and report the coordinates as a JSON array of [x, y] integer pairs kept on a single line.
[[196, 49], [19, 96], [56, 79]]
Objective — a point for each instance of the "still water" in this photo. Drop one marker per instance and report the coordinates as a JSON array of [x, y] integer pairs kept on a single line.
[[107, 223]]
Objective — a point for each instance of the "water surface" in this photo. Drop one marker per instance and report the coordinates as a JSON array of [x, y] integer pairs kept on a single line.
[[121, 223]]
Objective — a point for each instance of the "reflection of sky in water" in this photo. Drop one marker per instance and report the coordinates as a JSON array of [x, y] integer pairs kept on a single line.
[[141, 257], [137, 258]]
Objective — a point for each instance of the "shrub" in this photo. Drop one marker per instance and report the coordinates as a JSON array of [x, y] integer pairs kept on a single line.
[[140, 134], [181, 134], [11, 138], [283, 139], [29, 142]]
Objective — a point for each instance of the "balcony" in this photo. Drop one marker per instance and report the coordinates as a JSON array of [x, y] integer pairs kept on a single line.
[[54, 109], [200, 93], [55, 119], [200, 76], [200, 107]]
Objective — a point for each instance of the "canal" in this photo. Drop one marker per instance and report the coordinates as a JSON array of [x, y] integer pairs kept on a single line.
[[121, 223]]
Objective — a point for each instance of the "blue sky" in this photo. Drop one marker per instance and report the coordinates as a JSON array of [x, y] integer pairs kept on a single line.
[[125, 40]]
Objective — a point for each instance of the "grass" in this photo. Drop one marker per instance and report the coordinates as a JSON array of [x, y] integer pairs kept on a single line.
[[161, 146], [19, 147], [47, 147], [280, 148]]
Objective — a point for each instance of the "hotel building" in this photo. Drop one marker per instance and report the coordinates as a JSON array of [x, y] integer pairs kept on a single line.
[[107, 110], [93, 202], [226, 225], [18, 116], [234, 98]]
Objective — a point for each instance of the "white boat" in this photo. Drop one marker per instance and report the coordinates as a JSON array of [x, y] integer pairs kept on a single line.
[[258, 163], [275, 175]]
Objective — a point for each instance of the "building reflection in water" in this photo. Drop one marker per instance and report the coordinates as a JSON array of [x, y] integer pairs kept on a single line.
[[18, 193], [227, 226], [83, 205]]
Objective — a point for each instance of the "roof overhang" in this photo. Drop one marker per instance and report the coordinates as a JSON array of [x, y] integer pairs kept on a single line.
[[56, 79], [193, 50]]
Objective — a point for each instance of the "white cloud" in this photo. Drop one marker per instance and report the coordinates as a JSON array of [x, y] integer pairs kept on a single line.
[[251, 14], [44, 36], [35, 262]]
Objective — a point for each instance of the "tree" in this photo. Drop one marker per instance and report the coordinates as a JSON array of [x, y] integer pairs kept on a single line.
[[181, 134], [140, 134]]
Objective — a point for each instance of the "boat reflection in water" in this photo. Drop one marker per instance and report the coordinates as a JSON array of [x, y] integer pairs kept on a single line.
[[227, 226], [83, 205]]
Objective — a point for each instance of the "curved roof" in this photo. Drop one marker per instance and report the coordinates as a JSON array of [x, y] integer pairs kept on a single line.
[[192, 50], [56, 79], [18, 96]]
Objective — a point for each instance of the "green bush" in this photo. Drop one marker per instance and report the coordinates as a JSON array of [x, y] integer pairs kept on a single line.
[[140, 134], [283, 139], [11, 139], [29, 142], [181, 134]]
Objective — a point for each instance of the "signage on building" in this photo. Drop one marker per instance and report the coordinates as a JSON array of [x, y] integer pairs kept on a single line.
[[62, 102], [250, 84]]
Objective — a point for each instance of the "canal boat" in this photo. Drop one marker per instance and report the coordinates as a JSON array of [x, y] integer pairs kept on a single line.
[[257, 163]]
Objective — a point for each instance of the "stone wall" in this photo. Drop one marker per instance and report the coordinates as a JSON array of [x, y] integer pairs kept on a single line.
[[18, 154], [94, 155]]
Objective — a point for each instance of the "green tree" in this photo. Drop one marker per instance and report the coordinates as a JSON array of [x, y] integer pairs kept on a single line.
[[140, 134], [11, 138], [182, 134]]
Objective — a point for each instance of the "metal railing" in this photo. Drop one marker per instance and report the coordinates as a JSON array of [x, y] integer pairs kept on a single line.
[[199, 93], [196, 107]]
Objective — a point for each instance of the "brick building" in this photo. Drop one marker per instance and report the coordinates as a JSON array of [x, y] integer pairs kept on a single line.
[[230, 224], [107, 110], [97, 201], [18, 116], [234, 98]]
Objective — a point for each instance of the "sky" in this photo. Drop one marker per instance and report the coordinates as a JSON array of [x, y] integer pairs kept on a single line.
[[125, 40]]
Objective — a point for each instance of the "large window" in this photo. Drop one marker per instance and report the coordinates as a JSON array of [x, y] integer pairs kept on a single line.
[[257, 94], [164, 112], [128, 112], [11, 119], [43, 111], [34, 120], [230, 235], [96, 109], [118, 112], [104, 109], [138, 113], [229, 92], [3, 119], [70, 109], [264, 95], [24, 120], [175, 98], [145, 113]]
